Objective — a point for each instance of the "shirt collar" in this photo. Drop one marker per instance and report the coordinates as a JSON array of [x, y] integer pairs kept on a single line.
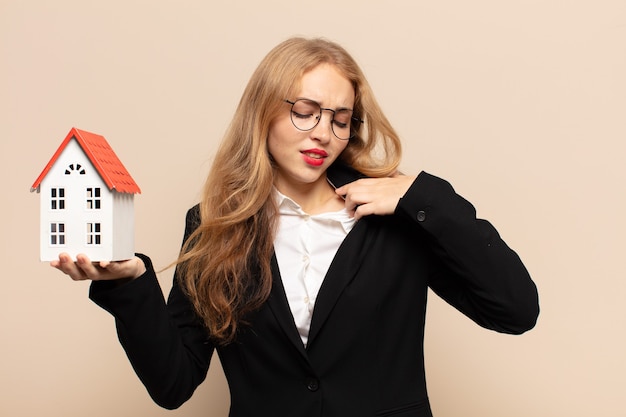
[[286, 206]]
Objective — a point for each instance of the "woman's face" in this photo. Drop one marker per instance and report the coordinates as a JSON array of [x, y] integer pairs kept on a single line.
[[302, 157]]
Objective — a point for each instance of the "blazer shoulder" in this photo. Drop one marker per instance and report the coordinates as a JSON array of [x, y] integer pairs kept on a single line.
[[193, 215], [192, 221]]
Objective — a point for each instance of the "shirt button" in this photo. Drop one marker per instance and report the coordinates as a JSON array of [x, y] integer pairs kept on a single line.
[[421, 216], [312, 385]]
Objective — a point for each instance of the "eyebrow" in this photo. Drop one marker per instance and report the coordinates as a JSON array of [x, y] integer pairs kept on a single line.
[[327, 108]]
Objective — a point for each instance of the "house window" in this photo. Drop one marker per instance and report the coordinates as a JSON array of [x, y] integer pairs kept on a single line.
[[75, 168], [57, 234], [57, 198], [93, 198], [94, 235]]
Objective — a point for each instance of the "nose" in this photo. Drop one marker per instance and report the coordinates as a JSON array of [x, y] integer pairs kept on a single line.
[[323, 130]]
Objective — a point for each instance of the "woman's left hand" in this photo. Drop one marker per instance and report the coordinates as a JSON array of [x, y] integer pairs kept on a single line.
[[374, 195]]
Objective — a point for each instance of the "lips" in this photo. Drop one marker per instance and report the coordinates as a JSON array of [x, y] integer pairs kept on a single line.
[[314, 157]]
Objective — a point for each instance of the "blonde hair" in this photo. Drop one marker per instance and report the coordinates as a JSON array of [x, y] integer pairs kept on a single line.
[[224, 266]]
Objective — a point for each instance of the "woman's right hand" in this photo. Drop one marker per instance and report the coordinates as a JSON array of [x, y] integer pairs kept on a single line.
[[84, 269]]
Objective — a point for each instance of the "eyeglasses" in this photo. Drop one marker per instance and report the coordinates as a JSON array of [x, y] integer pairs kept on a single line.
[[306, 114]]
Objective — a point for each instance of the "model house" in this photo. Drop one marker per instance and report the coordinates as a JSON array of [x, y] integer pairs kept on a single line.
[[86, 198]]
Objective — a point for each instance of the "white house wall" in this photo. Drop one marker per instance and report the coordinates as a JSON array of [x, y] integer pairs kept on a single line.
[[123, 226]]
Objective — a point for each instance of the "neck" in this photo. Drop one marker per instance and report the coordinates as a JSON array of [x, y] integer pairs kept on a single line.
[[315, 198]]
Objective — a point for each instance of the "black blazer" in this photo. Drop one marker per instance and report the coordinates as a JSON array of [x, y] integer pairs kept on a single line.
[[364, 355]]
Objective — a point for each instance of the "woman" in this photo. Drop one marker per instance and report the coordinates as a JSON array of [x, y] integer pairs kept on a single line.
[[308, 278]]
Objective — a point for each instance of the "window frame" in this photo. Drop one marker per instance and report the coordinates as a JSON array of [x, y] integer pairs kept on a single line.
[[57, 234], [93, 198]]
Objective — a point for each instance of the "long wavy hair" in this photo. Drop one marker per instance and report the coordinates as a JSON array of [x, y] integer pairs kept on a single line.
[[224, 265]]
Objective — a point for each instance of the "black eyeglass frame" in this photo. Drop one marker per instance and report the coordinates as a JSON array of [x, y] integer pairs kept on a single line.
[[353, 131]]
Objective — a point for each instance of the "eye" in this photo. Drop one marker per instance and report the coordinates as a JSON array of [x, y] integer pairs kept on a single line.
[[301, 115], [342, 118], [305, 109]]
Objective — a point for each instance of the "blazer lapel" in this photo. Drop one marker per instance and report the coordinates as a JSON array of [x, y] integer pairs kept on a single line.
[[340, 174], [279, 305], [347, 260], [342, 270]]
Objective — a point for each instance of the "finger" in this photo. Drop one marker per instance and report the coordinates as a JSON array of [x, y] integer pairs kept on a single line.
[[351, 204], [347, 188], [360, 211], [66, 265], [110, 269], [131, 268], [89, 269], [341, 191], [360, 195]]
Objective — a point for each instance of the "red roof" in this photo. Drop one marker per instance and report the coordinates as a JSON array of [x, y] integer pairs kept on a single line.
[[101, 155]]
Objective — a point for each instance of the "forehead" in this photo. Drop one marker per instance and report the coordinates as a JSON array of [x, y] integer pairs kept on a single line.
[[327, 85]]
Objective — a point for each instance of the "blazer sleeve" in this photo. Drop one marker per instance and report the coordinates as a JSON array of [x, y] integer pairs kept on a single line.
[[478, 273], [166, 343]]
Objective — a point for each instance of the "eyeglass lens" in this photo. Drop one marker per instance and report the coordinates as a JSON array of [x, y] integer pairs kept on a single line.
[[306, 114]]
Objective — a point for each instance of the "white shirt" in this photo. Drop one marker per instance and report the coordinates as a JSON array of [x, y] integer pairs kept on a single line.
[[305, 246]]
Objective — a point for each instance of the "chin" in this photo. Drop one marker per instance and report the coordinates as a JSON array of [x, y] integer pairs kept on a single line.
[[303, 178]]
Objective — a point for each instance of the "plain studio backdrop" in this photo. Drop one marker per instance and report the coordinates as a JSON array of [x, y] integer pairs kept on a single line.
[[520, 104]]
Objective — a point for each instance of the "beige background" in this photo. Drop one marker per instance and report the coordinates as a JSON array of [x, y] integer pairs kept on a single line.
[[520, 104]]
